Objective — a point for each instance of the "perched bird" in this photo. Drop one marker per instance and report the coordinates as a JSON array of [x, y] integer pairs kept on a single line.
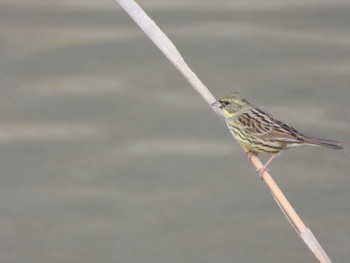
[[260, 132]]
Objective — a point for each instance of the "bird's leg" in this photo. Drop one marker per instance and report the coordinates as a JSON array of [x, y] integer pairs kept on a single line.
[[263, 169]]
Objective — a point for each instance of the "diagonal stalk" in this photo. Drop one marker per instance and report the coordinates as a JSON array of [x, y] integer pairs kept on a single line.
[[170, 51]]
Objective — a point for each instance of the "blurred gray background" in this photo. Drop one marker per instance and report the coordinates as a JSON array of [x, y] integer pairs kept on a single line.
[[108, 155]]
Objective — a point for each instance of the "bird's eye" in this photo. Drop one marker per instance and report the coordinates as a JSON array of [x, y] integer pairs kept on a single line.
[[226, 103]]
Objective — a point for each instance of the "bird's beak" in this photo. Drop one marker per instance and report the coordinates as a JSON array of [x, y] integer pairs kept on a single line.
[[217, 104]]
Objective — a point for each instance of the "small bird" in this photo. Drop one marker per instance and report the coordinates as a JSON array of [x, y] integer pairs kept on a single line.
[[259, 132]]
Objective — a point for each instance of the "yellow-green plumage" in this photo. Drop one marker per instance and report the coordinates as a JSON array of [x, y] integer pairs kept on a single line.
[[259, 131]]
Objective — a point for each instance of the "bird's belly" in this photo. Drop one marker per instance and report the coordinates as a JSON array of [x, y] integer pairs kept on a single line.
[[257, 144]]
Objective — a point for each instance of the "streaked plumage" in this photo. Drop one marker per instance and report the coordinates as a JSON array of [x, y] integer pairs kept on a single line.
[[260, 132]]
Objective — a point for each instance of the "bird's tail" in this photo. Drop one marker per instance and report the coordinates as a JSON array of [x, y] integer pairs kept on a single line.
[[325, 143]]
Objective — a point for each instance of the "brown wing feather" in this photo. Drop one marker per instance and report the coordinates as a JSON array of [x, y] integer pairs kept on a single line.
[[254, 125], [286, 133], [264, 125]]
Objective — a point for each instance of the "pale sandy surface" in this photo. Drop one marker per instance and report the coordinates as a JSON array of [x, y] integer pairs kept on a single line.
[[108, 155]]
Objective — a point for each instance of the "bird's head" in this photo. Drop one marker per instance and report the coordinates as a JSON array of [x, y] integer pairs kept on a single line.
[[231, 104]]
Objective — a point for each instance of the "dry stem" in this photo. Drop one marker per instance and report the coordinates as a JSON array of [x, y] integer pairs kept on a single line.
[[170, 51]]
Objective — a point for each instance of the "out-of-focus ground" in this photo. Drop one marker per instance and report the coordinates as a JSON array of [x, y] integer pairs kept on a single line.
[[108, 155]]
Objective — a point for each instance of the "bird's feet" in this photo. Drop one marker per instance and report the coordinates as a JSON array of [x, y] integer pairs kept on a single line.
[[250, 154], [262, 170]]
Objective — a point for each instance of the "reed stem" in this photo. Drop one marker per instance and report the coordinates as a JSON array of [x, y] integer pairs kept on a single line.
[[167, 47]]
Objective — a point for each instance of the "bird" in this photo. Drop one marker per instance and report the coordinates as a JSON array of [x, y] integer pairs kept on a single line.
[[259, 132]]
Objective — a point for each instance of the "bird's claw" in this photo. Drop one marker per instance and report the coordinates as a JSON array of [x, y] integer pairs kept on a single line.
[[261, 171], [250, 154]]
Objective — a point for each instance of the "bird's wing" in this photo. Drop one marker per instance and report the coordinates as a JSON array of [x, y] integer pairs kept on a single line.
[[261, 124], [256, 122], [286, 133]]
